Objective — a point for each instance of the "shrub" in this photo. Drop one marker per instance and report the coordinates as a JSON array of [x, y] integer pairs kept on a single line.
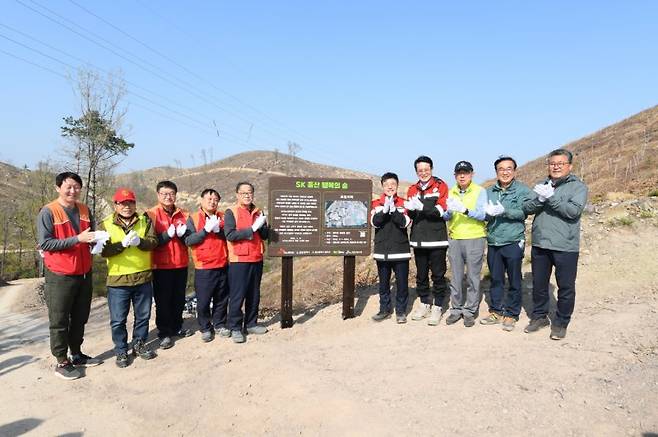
[[620, 221]]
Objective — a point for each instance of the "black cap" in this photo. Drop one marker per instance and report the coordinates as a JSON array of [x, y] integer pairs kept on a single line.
[[463, 166]]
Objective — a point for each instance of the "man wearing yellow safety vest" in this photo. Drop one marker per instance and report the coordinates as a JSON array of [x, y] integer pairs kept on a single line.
[[129, 276], [467, 240]]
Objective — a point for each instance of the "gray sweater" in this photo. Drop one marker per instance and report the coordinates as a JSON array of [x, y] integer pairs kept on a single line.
[[46, 229], [556, 225]]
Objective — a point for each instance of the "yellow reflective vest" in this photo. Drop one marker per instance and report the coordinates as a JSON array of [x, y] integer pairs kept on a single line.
[[132, 259], [461, 226]]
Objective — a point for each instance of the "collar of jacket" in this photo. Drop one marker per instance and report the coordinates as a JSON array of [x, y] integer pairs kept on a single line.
[[456, 190], [433, 182], [510, 187], [563, 180], [117, 221], [383, 196]]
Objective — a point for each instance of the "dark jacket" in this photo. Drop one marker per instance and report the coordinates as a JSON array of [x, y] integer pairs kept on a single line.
[[391, 240], [428, 229]]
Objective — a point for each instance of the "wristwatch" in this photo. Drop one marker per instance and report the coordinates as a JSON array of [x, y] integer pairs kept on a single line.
[[466, 212]]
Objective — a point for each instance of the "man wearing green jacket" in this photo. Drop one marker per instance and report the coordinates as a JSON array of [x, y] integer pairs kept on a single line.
[[558, 205], [506, 243]]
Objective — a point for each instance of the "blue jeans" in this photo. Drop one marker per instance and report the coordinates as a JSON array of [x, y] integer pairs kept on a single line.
[[566, 268], [501, 260], [118, 299], [401, 269]]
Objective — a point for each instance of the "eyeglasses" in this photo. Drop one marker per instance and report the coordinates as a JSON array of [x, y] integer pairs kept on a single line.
[[245, 194], [505, 170], [125, 203], [558, 164], [167, 194]]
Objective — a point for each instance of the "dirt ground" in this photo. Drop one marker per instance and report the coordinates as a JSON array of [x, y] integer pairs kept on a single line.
[[326, 376]]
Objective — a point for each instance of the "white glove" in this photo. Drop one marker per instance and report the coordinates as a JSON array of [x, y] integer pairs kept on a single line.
[[391, 205], [135, 240], [388, 204], [181, 229], [218, 225], [550, 190], [101, 238], [498, 208], [455, 205], [259, 222], [100, 235], [494, 210], [127, 240], [171, 230], [418, 204], [210, 223], [408, 205], [544, 191]]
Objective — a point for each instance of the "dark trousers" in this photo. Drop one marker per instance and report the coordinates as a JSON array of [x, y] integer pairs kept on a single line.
[[434, 260], [68, 298], [244, 288], [401, 269], [505, 260], [169, 293], [211, 285], [118, 300], [566, 265]]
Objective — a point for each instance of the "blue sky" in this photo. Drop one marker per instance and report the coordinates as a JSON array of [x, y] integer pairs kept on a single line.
[[364, 85]]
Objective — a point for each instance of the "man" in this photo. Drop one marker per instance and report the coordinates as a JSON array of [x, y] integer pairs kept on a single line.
[[210, 255], [65, 229], [426, 205], [246, 230], [466, 229], [392, 251], [557, 206], [506, 240], [169, 264], [129, 276]]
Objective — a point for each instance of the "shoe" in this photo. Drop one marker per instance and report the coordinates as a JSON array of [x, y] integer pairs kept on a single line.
[[237, 336], [122, 360], [453, 318], [401, 319], [257, 330], [141, 350], [184, 333], [66, 370], [469, 321], [207, 336], [381, 315], [508, 323], [558, 332], [536, 324], [166, 343], [224, 332], [421, 312], [83, 360], [491, 319], [435, 315]]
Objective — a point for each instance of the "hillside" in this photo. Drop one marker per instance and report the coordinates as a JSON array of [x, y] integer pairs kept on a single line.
[[621, 157]]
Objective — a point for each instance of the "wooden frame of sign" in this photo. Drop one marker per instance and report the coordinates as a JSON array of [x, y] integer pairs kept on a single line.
[[318, 217]]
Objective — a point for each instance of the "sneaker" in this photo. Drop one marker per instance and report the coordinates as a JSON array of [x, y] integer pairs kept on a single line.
[[141, 350], [381, 315], [257, 330], [491, 319], [207, 336], [453, 318], [184, 333], [558, 332], [421, 312], [469, 321], [66, 370], [166, 343], [435, 315], [122, 360], [509, 323], [237, 336], [536, 324], [83, 360], [224, 332], [401, 319]]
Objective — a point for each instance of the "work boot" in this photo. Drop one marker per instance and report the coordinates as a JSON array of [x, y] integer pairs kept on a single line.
[[381, 315], [558, 332], [122, 360], [536, 324], [453, 318], [421, 312], [141, 350], [509, 323], [491, 319], [435, 315], [469, 321]]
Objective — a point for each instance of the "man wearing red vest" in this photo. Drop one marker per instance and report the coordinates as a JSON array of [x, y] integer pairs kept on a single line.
[[169, 264], [65, 229], [246, 231], [210, 255]]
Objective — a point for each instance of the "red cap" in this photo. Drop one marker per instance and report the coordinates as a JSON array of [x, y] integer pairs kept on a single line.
[[124, 194]]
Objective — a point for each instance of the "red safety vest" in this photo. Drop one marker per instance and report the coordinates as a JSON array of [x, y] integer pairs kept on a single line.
[[172, 255], [212, 252], [75, 260], [245, 251]]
